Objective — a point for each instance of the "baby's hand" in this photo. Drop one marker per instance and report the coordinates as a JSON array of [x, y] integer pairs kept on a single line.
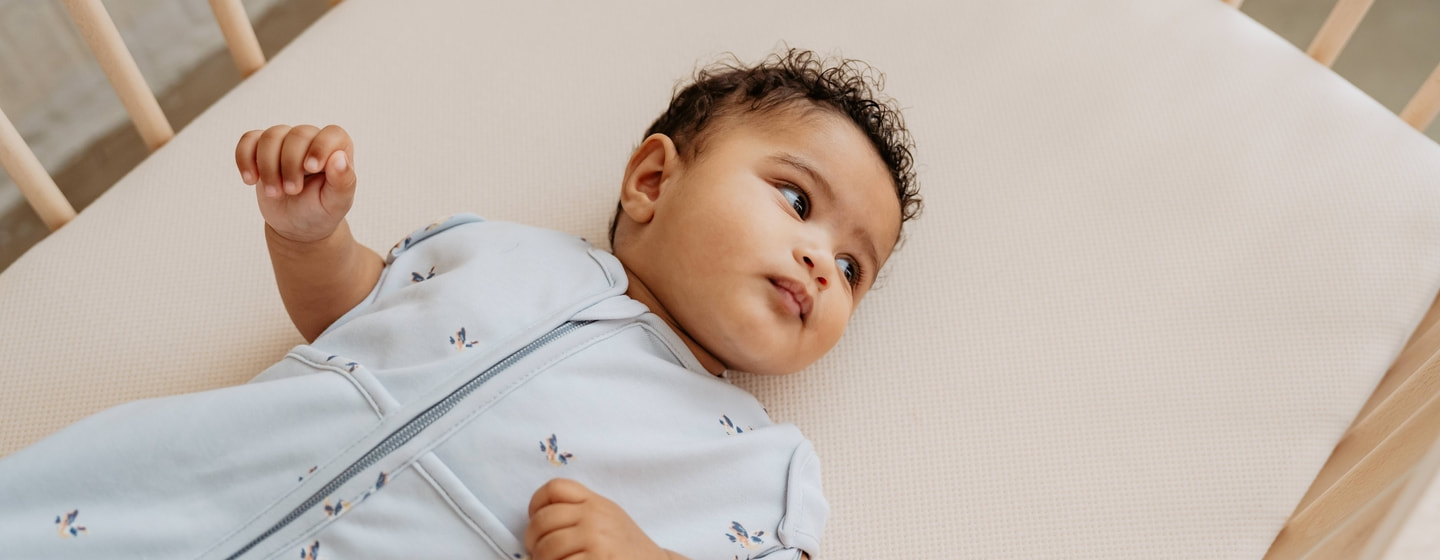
[[304, 177], [568, 520]]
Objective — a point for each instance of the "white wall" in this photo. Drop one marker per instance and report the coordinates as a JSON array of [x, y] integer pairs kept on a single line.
[[55, 93]]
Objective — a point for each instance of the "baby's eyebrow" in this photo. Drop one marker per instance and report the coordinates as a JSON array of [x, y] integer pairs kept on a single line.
[[803, 165]]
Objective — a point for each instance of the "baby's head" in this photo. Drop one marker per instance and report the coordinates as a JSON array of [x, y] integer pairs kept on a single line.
[[761, 206]]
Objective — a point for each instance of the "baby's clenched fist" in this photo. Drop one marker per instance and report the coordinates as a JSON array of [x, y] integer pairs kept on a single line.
[[570, 521], [304, 177]]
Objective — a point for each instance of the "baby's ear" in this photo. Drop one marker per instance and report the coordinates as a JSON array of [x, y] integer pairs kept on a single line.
[[651, 167]]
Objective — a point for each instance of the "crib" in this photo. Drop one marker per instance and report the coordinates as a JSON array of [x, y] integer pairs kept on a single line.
[[1173, 294]]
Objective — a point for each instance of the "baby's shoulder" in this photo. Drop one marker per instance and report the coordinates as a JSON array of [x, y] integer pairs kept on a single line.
[[469, 271], [468, 236]]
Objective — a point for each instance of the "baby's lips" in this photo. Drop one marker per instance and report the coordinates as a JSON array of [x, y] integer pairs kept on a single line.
[[797, 291]]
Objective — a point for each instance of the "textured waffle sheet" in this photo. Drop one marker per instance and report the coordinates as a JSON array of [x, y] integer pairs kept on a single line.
[[1165, 256]]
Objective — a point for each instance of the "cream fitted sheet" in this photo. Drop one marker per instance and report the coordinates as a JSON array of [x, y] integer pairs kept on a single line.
[[1165, 256]]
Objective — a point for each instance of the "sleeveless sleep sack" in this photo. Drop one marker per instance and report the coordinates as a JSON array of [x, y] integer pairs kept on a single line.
[[489, 359]]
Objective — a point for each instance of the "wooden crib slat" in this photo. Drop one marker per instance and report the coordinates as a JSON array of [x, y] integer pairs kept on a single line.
[[1362, 438], [1371, 477], [1349, 541], [1422, 108], [239, 35], [1411, 380], [1418, 482], [1368, 429], [104, 40], [1423, 344], [1338, 28], [37, 186]]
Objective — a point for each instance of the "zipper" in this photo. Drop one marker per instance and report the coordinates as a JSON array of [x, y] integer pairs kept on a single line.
[[408, 431]]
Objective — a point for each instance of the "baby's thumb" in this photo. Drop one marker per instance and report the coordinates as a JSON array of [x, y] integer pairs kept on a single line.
[[340, 172]]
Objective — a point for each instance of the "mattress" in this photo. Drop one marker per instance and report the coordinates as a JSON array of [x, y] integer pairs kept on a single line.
[[1165, 256]]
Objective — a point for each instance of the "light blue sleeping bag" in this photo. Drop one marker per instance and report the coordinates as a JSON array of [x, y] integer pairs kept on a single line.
[[489, 359]]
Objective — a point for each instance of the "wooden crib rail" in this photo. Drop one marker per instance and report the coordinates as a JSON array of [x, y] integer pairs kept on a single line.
[[1421, 110], [1335, 33], [99, 32], [1338, 28], [239, 35], [1408, 497], [104, 39], [1380, 465], [37, 186]]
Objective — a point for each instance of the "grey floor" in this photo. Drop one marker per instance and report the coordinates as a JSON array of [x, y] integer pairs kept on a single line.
[[1390, 55]]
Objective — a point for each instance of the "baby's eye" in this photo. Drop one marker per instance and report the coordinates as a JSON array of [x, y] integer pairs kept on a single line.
[[798, 201], [850, 269]]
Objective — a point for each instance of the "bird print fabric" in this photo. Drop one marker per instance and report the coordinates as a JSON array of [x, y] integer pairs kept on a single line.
[[748, 541], [65, 525], [730, 427], [311, 552], [551, 448], [458, 339]]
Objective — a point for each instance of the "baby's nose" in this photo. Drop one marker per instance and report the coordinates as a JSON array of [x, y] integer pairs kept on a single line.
[[820, 279]]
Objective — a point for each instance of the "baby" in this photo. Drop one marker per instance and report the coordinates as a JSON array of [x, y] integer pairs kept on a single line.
[[753, 218]]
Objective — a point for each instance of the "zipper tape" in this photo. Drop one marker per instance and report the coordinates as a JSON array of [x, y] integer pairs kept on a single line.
[[406, 432]]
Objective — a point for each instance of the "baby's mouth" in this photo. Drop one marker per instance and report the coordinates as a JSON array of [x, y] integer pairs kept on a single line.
[[793, 296]]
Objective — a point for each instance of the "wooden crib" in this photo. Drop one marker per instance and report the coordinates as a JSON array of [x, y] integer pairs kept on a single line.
[[1354, 507]]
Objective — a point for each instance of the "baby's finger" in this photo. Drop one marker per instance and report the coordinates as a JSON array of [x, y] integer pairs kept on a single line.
[[339, 174], [558, 490], [549, 519], [559, 545], [330, 139], [245, 156], [292, 157], [267, 158]]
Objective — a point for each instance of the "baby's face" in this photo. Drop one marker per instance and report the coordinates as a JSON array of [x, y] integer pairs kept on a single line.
[[759, 250]]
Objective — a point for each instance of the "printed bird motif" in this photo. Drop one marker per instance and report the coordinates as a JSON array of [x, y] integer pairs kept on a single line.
[[350, 366], [459, 340], [337, 509], [307, 473], [402, 245], [65, 525], [415, 277], [379, 483], [739, 535], [553, 453], [312, 552], [730, 427]]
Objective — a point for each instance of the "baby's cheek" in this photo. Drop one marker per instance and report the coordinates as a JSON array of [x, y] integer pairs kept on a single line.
[[827, 334]]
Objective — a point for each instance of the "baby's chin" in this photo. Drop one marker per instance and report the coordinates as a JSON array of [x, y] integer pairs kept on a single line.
[[762, 359], [747, 336]]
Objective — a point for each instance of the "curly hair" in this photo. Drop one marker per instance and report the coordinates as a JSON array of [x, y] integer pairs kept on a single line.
[[846, 86]]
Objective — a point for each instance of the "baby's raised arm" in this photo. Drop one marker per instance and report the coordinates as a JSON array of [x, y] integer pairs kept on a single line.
[[304, 181]]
